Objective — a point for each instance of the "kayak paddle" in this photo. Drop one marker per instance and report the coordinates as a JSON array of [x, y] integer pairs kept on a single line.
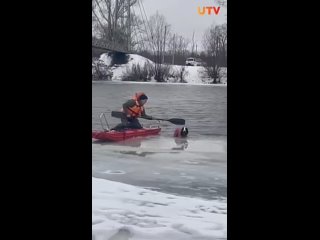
[[176, 121]]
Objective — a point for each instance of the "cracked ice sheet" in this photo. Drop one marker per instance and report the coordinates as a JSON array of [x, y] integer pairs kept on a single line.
[[121, 211]]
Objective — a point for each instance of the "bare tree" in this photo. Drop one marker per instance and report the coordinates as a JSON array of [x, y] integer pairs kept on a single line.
[[178, 49], [192, 45], [182, 52], [214, 42], [138, 36], [109, 16], [100, 71], [172, 46], [223, 44], [183, 44], [159, 30]]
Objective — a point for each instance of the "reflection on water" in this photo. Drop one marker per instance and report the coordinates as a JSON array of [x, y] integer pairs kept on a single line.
[[181, 143], [137, 153]]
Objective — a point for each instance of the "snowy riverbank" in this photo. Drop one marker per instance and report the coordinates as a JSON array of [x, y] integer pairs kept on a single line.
[[194, 74], [121, 211]]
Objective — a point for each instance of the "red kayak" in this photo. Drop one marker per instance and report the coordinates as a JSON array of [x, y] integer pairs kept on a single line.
[[123, 135]]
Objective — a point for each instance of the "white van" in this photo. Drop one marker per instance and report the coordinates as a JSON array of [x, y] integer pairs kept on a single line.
[[194, 62]]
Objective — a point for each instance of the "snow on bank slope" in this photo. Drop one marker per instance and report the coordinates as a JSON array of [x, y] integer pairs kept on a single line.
[[120, 70], [121, 211], [194, 74]]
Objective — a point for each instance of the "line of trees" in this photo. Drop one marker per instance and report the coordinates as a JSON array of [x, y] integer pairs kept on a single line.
[[112, 20]]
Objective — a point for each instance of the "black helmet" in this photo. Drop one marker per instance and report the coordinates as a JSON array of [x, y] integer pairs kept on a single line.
[[143, 97]]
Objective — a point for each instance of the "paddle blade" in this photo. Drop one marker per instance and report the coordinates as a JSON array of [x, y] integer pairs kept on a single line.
[[117, 114], [177, 121]]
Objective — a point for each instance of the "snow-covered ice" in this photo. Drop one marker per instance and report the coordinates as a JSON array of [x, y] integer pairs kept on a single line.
[[121, 211]]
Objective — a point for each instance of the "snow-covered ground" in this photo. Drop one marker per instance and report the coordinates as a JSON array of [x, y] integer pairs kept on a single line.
[[121, 211], [120, 70], [194, 74]]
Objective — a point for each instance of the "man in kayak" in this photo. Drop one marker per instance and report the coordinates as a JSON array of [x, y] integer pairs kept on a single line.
[[132, 110]]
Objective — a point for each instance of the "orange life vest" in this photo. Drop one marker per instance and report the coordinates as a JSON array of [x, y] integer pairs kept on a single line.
[[136, 110]]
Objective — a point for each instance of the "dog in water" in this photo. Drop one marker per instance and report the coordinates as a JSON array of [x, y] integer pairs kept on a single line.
[[181, 132]]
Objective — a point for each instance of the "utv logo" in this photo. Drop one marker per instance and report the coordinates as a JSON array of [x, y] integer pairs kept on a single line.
[[208, 10]]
